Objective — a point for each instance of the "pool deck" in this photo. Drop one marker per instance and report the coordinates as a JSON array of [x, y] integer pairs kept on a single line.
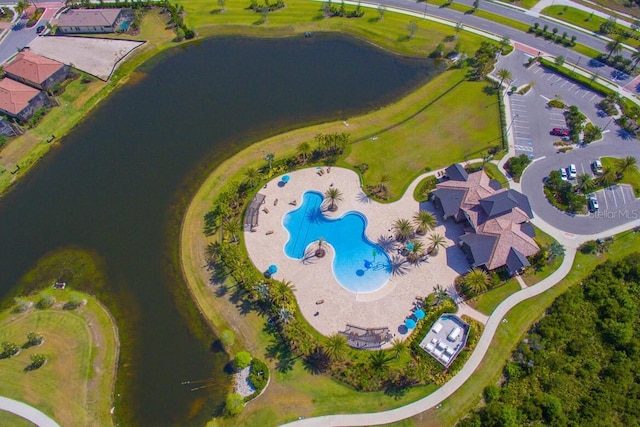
[[313, 278]]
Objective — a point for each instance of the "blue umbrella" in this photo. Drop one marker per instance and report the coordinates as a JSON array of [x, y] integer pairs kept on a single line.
[[410, 246], [410, 323], [286, 178], [419, 314], [273, 269]]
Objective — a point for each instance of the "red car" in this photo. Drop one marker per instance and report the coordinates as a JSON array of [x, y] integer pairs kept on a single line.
[[560, 132]]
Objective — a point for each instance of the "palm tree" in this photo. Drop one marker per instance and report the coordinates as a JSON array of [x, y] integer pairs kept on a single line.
[[504, 74], [614, 46], [333, 195], [440, 293], [399, 346], [584, 182], [251, 175], [281, 292], [477, 281], [379, 361], [403, 229], [608, 177], [424, 221], [230, 228], [382, 182], [320, 252], [417, 251], [336, 347], [304, 149], [269, 158], [21, 7], [629, 163], [437, 241]]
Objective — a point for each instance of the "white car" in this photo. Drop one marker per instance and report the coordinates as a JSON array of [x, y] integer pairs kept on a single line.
[[573, 172], [593, 204], [563, 174], [597, 166]]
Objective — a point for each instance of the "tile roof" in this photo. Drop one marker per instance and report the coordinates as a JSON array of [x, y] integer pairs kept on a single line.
[[456, 172], [502, 214], [516, 260], [88, 18], [33, 67], [15, 96], [450, 199]]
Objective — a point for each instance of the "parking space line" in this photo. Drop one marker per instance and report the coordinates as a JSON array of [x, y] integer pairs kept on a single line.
[[614, 196], [565, 82], [606, 202], [585, 93], [594, 95], [622, 194]]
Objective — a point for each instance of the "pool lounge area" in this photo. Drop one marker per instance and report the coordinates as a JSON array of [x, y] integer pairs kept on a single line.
[[446, 338], [324, 302]]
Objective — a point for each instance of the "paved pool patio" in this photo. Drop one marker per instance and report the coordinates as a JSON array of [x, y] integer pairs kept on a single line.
[[313, 278]]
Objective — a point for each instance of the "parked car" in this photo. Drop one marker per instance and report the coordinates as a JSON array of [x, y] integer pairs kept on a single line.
[[597, 167], [573, 172], [593, 203], [563, 174], [40, 29], [560, 132]]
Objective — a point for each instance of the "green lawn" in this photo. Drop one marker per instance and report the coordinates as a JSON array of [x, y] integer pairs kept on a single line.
[[68, 387], [581, 19], [631, 177], [9, 419], [527, 4], [460, 121], [300, 16], [488, 301]]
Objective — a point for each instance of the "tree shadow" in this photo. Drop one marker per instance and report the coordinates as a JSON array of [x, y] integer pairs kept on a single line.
[[363, 197], [216, 347], [216, 11], [317, 363], [399, 266], [403, 38], [625, 135], [387, 243]]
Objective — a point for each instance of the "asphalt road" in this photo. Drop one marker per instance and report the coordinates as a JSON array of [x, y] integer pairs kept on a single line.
[[517, 35], [28, 412], [17, 39]]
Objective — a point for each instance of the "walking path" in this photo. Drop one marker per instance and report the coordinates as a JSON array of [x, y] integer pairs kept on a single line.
[[27, 412]]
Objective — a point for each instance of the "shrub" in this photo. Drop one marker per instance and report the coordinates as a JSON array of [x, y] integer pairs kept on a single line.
[[46, 301], [556, 103], [234, 404], [227, 338], [75, 301], [242, 359], [37, 360], [259, 375], [589, 247], [34, 338], [22, 305], [516, 165], [9, 349], [424, 188]]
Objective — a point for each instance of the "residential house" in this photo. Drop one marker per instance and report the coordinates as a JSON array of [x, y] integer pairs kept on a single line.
[[19, 100], [75, 21], [499, 232], [36, 70]]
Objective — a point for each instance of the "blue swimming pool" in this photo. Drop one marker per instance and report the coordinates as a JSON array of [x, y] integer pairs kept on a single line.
[[359, 265]]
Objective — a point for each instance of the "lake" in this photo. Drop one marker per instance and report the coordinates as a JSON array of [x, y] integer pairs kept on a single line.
[[120, 182]]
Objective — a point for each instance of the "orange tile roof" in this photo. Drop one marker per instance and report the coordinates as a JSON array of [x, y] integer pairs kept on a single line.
[[33, 67], [15, 96]]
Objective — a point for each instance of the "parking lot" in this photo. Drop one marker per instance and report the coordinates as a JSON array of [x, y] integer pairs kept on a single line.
[[615, 198], [521, 125]]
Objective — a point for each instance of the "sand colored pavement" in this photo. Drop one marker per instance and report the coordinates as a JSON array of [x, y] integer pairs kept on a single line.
[[313, 279]]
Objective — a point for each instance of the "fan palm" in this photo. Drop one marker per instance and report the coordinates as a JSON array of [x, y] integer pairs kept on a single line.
[[437, 242], [424, 221], [379, 361], [614, 46], [403, 229], [336, 347], [281, 292], [440, 294], [333, 195], [320, 251], [251, 177]]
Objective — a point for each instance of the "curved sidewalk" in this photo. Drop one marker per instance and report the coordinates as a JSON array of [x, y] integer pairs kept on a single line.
[[27, 412], [430, 401]]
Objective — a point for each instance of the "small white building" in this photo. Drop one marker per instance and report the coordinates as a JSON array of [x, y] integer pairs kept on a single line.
[[446, 338]]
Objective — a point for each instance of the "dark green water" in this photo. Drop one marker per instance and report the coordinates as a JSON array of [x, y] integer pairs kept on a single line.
[[120, 181]]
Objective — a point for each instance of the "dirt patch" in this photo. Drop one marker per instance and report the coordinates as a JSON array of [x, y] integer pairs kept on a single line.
[[98, 57]]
